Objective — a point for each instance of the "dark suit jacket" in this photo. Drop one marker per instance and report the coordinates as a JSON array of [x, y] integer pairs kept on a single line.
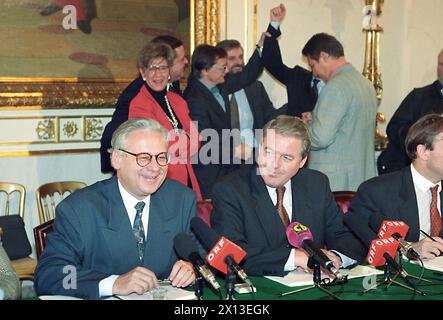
[[244, 213], [205, 109], [119, 116], [393, 196], [301, 97], [261, 107], [93, 234], [417, 103]]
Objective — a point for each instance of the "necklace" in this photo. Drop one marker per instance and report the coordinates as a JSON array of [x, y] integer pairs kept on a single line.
[[173, 119]]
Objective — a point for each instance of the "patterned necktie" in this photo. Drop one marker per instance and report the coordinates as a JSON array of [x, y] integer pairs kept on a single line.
[[139, 231], [235, 117], [435, 215], [315, 88], [280, 208]]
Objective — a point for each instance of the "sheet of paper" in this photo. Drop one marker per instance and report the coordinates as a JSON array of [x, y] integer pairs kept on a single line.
[[433, 264], [173, 294], [58, 298], [296, 279]]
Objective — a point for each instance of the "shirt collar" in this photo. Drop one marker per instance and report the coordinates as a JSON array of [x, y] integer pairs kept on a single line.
[[421, 182], [130, 201]]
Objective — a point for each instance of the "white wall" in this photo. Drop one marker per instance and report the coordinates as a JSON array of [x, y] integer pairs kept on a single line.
[[410, 43]]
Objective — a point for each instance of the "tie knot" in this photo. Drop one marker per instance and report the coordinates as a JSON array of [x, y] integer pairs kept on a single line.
[[316, 81], [215, 90], [139, 206], [434, 190], [280, 193]]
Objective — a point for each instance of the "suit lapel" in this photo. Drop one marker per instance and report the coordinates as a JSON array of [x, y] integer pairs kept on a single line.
[[160, 227], [213, 104], [301, 208], [264, 208], [118, 232], [408, 210]]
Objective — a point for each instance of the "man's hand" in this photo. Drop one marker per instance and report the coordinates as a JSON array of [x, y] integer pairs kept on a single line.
[[301, 260], [427, 248], [182, 274], [306, 117], [278, 13], [335, 258], [138, 280], [261, 41]]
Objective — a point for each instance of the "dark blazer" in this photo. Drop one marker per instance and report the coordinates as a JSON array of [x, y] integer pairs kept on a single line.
[[92, 233], [418, 102], [204, 108], [244, 213], [393, 196], [301, 97], [119, 116], [261, 106]]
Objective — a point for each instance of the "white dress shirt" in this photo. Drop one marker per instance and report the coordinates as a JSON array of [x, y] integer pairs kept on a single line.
[[424, 196], [129, 201], [287, 203]]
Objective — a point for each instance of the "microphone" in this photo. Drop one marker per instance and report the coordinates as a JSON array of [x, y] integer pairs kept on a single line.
[[395, 229], [381, 251], [187, 249], [299, 236], [221, 251]]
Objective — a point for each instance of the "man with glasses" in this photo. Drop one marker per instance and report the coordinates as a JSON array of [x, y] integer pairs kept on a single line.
[[116, 236], [207, 93]]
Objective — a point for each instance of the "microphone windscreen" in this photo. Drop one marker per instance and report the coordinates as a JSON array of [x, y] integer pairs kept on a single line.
[[297, 233], [184, 245], [204, 233]]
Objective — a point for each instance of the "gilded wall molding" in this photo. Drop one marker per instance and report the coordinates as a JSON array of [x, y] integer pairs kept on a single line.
[[206, 22], [59, 93]]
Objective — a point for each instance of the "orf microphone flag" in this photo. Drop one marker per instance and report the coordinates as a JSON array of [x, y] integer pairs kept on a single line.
[[221, 250]]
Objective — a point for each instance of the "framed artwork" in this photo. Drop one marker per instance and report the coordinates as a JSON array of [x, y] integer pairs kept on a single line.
[[82, 53]]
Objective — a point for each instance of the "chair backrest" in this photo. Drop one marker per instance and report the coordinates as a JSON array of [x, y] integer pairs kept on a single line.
[[8, 188], [343, 199], [40, 233], [46, 211], [204, 208]]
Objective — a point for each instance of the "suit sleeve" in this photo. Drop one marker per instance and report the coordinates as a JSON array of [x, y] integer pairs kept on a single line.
[[402, 120], [272, 59], [59, 270], [337, 236], [250, 73], [226, 219]]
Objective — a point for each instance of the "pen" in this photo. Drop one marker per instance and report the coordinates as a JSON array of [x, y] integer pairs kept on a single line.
[[427, 236], [165, 282]]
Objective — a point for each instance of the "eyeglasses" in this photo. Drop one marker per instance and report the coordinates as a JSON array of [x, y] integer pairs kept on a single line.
[[217, 67], [153, 69], [144, 158]]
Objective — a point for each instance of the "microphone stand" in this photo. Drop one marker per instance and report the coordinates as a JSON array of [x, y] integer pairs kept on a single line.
[[199, 286], [317, 282], [388, 281], [230, 281], [399, 259]]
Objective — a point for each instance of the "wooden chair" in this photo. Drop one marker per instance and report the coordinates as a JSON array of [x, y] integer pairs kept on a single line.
[[24, 267], [46, 211], [40, 233], [204, 208], [343, 199]]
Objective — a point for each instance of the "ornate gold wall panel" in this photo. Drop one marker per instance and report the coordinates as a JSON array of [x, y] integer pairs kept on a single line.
[[206, 22]]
